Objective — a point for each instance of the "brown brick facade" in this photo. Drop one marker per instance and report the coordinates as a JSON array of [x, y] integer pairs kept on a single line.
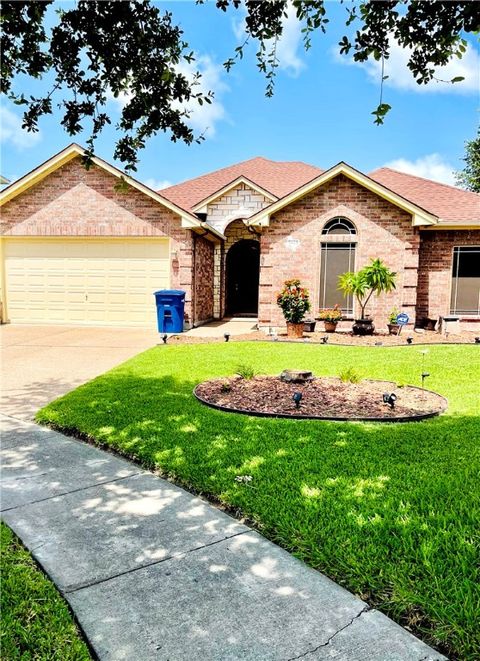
[[203, 279], [290, 246], [435, 270]]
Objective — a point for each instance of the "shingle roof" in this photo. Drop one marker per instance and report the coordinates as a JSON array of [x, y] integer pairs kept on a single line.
[[276, 177], [453, 206]]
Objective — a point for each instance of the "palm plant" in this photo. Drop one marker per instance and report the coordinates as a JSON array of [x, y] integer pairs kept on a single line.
[[375, 278]]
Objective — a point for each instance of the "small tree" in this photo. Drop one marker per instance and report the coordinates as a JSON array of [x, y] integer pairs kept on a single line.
[[294, 301], [376, 278], [469, 177]]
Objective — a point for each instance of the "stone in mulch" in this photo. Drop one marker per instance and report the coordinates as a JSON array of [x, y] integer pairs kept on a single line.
[[325, 397]]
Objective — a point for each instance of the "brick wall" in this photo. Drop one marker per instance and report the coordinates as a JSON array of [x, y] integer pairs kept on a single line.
[[435, 270], [239, 202], [203, 278], [383, 230], [73, 201]]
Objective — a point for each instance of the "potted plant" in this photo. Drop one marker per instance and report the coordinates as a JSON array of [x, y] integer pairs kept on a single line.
[[330, 318], [309, 325], [295, 303], [375, 278], [393, 327]]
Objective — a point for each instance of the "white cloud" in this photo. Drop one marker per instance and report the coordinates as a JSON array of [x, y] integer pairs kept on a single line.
[[400, 77], [203, 118], [288, 43], [432, 166], [157, 184], [11, 131]]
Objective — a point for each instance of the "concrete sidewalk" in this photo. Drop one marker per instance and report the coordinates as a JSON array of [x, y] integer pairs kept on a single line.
[[153, 572]]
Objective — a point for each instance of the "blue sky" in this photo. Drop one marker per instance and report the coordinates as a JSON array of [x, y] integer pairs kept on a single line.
[[320, 112]]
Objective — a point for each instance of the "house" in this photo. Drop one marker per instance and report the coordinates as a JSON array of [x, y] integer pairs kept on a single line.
[[78, 248]]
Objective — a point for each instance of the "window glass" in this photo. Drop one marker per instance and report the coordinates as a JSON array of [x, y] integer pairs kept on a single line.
[[339, 226], [465, 298], [336, 259]]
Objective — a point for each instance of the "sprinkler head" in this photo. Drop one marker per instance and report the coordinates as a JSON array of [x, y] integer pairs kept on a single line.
[[425, 374], [297, 398], [389, 398], [165, 338], [409, 339], [226, 336]]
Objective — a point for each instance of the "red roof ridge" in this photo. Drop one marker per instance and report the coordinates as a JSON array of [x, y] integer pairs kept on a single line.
[[416, 176]]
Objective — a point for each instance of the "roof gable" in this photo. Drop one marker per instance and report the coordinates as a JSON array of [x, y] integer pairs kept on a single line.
[[202, 205], [188, 220], [420, 216]]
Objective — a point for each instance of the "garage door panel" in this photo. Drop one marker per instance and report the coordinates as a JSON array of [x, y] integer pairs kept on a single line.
[[107, 282]]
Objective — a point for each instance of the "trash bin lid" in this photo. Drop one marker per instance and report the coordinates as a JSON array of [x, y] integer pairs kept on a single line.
[[170, 292]]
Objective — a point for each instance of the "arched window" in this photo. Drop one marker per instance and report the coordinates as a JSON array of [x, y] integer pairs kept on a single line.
[[339, 226], [337, 257]]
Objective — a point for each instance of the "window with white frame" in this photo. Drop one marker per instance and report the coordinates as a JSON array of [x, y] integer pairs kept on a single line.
[[465, 296], [337, 257]]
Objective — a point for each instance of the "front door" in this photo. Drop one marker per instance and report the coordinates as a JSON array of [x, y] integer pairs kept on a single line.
[[242, 278]]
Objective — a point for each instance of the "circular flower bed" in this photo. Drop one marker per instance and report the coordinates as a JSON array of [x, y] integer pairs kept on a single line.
[[325, 398]]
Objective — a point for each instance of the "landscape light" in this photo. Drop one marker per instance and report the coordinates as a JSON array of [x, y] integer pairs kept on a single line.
[[226, 336], [477, 340], [325, 339], [389, 398], [297, 398], [424, 376], [409, 339], [165, 338]]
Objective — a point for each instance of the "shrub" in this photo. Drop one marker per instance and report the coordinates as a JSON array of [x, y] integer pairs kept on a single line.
[[331, 314], [246, 372], [294, 301], [392, 317], [350, 375]]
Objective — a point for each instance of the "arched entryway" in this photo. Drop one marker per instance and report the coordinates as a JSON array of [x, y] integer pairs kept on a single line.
[[242, 278]]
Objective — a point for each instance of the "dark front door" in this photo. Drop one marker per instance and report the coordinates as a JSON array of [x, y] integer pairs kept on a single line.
[[242, 277]]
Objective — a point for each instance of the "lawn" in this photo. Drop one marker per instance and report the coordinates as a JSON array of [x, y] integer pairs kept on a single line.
[[390, 511], [35, 621]]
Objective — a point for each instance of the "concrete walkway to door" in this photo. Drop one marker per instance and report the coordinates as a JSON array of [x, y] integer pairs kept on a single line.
[[41, 363], [155, 573]]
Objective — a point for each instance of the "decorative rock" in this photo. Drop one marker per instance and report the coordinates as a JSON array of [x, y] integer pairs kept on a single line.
[[296, 376], [420, 331]]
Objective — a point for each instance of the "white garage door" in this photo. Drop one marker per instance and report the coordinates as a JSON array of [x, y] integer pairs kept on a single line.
[[80, 281]]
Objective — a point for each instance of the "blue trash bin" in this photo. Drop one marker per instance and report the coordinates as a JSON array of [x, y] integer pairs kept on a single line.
[[170, 310]]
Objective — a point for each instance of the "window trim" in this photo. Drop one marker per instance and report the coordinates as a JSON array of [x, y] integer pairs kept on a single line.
[[324, 247], [473, 315], [339, 220]]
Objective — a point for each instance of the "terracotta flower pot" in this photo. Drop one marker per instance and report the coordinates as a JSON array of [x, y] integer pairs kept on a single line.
[[330, 326], [294, 330], [393, 329]]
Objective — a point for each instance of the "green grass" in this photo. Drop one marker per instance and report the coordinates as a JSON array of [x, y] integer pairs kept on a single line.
[[35, 621], [390, 511]]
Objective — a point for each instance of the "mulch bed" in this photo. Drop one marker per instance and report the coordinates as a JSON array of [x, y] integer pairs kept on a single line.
[[326, 397], [338, 338]]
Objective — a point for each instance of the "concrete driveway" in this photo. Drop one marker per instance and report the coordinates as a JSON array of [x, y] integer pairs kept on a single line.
[[41, 363]]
